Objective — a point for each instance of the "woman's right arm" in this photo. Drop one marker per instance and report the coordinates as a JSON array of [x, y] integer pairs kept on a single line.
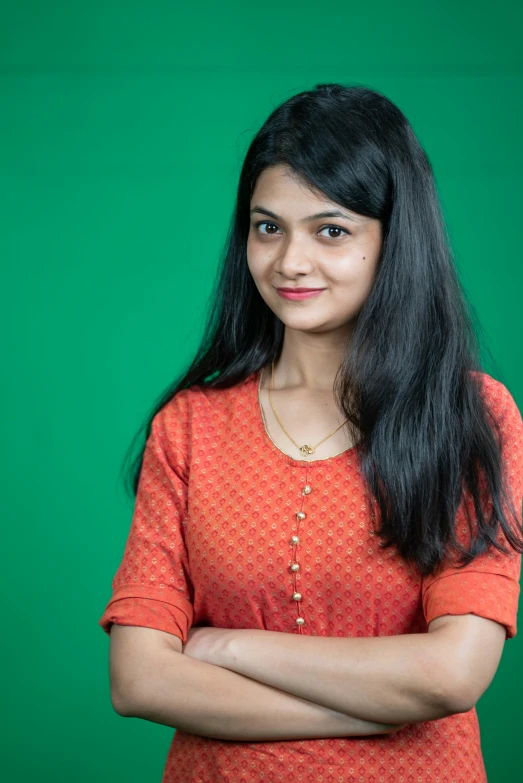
[[153, 680]]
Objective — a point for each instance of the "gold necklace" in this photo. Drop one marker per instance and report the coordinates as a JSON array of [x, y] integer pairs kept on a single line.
[[305, 449]]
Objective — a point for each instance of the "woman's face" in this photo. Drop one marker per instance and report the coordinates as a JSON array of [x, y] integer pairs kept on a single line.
[[290, 246]]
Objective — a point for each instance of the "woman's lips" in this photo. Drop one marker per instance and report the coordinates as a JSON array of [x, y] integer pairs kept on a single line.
[[297, 295]]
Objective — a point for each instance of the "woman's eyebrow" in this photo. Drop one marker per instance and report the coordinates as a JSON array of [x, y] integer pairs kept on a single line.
[[317, 216]]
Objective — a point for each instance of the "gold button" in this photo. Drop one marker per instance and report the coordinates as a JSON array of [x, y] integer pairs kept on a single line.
[[300, 621], [301, 515], [306, 489], [297, 596], [295, 567], [295, 540]]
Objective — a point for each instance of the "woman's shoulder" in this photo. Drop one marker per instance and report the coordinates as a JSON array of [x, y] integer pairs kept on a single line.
[[498, 398], [201, 405], [185, 423]]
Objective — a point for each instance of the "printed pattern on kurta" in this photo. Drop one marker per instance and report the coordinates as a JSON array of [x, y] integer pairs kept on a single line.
[[211, 543]]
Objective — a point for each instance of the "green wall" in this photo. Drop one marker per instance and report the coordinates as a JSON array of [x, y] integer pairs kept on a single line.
[[123, 128]]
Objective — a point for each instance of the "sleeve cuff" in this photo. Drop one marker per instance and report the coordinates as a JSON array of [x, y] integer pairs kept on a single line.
[[493, 596], [146, 607]]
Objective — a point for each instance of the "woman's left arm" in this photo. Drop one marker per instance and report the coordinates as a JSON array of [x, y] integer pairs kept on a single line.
[[392, 679]]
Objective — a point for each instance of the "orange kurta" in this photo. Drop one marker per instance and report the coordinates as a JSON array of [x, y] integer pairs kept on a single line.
[[210, 544]]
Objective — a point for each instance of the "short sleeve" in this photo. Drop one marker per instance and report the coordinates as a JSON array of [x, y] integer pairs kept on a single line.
[[490, 585], [152, 586]]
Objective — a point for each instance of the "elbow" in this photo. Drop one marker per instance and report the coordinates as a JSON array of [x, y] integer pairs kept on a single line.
[[456, 697], [123, 701], [120, 707], [460, 701], [446, 696]]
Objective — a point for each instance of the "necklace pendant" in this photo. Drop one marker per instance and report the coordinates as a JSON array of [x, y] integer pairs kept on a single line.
[[307, 450]]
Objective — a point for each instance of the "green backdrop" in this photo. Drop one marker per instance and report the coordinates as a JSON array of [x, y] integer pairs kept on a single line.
[[124, 125]]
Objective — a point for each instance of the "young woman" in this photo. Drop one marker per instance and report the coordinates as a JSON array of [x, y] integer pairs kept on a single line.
[[324, 558]]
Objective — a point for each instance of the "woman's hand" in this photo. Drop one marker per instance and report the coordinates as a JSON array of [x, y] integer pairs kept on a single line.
[[206, 644]]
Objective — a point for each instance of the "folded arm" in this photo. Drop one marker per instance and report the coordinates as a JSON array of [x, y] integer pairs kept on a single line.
[[391, 679], [153, 680]]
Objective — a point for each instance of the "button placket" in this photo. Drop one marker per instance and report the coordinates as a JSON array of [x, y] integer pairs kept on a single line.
[[295, 566]]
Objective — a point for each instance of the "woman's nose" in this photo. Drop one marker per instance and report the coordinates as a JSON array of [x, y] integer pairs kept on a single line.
[[294, 258]]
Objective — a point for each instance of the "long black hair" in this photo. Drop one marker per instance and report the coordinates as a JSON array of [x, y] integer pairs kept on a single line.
[[408, 379]]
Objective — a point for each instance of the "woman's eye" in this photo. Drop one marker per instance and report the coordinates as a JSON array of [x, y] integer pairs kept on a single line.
[[265, 223], [325, 228], [335, 228]]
